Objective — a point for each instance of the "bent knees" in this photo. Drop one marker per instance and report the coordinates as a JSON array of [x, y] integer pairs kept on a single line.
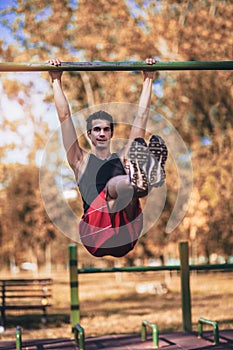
[[119, 193], [119, 186]]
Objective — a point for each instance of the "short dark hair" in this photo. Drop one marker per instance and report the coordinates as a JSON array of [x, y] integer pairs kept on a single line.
[[100, 115]]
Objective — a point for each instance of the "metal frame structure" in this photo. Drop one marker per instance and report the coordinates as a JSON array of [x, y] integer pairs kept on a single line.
[[184, 270]]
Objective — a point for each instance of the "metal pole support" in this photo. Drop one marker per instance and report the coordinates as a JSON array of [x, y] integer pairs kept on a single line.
[[79, 336], [18, 342], [185, 287], [155, 333], [214, 324], [74, 295]]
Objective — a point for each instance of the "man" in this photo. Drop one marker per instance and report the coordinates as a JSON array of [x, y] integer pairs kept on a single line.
[[111, 183]]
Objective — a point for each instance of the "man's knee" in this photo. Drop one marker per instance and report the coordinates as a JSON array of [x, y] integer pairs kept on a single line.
[[119, 186]]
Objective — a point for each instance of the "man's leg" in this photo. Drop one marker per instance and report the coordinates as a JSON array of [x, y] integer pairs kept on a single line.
[[120, 195], [123, 191]]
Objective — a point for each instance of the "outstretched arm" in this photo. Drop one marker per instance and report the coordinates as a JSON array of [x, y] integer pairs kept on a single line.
[[69, 136], [140, 121]]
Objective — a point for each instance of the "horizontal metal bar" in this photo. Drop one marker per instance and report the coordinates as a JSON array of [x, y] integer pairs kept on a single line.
[[155, 268], [116, 66], [211, 267], [128, 269]]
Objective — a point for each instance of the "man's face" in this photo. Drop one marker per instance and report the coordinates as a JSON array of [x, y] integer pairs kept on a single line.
[[100, 134]]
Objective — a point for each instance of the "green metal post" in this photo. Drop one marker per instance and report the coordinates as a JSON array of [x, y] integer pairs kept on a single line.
[[214, 324], [155, 332], [74, 296], [18, 342], [80, 336], [185, 287]]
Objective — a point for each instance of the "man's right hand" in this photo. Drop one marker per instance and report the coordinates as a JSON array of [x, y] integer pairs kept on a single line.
[[55, 74], [149, 74]]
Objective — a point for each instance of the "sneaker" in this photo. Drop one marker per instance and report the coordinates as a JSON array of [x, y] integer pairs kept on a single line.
[[158, 150], [138, 158]]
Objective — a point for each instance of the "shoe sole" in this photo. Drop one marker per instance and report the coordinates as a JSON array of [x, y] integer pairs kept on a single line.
[[138, 156], [158, 149]]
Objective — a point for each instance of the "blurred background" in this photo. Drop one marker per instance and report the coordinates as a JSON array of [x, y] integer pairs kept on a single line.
[[197, 103]]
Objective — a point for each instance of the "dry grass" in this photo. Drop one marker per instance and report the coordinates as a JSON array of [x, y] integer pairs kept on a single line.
[[111, 303]]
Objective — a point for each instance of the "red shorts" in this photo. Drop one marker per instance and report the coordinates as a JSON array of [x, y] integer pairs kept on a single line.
[[104, 235]]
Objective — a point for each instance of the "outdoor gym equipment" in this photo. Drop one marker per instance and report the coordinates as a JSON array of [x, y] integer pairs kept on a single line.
[[116, 66], [184, 270]]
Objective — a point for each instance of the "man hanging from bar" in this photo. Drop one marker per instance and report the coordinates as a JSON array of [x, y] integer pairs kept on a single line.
[[111, 184]]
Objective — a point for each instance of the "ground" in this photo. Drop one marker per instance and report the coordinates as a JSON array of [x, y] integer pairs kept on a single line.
[[117, 303]]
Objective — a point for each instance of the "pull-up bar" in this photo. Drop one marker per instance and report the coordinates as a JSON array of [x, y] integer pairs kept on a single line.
[[116, 66]]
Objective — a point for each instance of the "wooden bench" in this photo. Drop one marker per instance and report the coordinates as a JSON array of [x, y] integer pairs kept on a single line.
[[25, 294]]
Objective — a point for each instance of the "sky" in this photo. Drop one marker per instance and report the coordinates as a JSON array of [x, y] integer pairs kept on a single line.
[[5, 21]]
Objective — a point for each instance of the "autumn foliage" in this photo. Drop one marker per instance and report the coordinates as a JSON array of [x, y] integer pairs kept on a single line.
[[197, 103]]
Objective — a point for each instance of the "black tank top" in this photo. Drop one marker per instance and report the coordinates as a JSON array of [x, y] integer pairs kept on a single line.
[[96, 175]]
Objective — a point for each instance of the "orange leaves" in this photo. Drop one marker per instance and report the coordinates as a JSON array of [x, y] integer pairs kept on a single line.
[[11, 87]]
